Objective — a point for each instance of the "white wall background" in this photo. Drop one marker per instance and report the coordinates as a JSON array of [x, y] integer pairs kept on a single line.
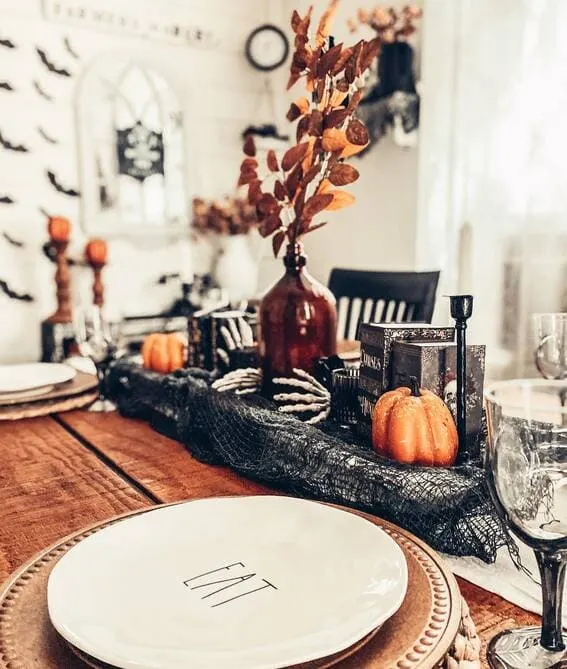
[[220, 95]]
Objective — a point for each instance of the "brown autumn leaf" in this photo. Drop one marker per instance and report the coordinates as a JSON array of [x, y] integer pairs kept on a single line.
[[352, 150], [356, 132], [333, 140], [301, 58], [294, 179], [301, 128], [268, 205], [293, 112], [335, 118], [357, 56], [294, 77], [315, 127], [247, 177], [350, 72], [249, 147], [324, 27], [295, 20], [272, 161], [279, 191], [340, 199], [343, 86], [277, 241], [320, 92], [316, 203], [369, 53], [293, 155], [328, 60], [269, 225], [248, 163], [254, 191], [343, 174], [310, 228], [355, 99], [342, 60], [307, 161]]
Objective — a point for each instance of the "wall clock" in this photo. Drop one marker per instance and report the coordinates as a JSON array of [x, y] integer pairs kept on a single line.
[[267, 47]]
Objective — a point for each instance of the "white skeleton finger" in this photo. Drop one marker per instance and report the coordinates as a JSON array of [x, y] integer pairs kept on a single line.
[[300, 397], [246, 332], [296, 383], [235, 333], [247, 391], [299, 408], [227, 338], [318, 418], [305, 375], [223, 355]]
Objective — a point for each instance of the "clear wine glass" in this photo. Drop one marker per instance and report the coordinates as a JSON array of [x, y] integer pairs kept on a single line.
[[551, 345], [526, 467], [100, 340]]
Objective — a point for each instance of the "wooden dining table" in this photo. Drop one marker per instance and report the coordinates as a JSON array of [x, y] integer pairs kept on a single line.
[[61, 473]]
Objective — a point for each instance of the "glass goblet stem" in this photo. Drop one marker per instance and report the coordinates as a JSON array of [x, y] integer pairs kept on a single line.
[[101, 375], [552, 570]]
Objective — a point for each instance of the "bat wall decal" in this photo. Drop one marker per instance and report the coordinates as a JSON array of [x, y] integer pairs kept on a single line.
[[40, 90], [6, 86], [7, 43], [71, 192], [19, 148], [22, 297], [46, 137], [6, 199], [61, 71], [70, 49], [12, 241]]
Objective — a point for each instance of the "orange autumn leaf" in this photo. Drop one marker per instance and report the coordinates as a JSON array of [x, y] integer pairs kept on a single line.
[[325, 186], [334, 140], [337, 97], [341, 198], [352, 150], [324, 27], [307, 161]]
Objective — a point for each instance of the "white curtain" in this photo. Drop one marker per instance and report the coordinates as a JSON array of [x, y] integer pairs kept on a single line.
[[494, 155]]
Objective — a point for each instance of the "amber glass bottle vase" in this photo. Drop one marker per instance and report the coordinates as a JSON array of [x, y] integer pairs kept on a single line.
[[298, 321]]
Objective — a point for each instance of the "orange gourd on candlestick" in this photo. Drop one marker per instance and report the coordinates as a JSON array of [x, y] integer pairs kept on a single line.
[[96, 252], [59, 228], [163, 353], [414, 426]]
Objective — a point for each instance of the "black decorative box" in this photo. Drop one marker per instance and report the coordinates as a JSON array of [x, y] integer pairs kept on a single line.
[[376, 340], [434, 367]]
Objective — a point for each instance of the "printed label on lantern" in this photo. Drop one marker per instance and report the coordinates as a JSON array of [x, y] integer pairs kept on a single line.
[[370, 361], [227, 584]]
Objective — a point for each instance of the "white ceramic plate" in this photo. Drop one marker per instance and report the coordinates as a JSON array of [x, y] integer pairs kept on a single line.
[[227, 583], [25, 395], [33, 375]]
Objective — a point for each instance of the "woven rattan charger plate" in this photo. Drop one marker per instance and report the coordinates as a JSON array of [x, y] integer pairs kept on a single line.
[[429, 630]]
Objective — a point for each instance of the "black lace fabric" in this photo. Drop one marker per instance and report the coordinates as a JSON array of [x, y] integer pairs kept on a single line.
[[450, 509]]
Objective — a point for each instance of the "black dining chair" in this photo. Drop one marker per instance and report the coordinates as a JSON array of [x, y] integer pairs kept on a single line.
[[382, 297]]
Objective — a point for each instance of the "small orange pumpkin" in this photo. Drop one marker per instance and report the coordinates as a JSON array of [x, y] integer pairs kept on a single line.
[[163, 353], [414, 426], [59, 228], [96, 252]]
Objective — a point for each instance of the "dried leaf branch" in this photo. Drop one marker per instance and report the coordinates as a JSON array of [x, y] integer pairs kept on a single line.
[[290, 191], [389, 24]]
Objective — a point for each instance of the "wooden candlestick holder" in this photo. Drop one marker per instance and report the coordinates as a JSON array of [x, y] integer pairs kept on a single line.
[[98, 286], [63, 283]]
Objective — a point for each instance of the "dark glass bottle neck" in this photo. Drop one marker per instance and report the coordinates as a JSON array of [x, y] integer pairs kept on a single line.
[[294, 259]]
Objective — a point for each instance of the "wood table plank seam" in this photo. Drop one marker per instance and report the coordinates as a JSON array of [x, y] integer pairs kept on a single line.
[[113, 466]]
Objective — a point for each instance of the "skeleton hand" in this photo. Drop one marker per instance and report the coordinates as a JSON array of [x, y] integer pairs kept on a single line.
[[237, 334], [315, 398]]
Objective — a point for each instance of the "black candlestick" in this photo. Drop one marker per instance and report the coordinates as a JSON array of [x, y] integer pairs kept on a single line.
[[461, 311]]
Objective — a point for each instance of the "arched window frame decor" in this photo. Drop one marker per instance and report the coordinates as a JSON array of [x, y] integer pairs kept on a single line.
[[99, 92]]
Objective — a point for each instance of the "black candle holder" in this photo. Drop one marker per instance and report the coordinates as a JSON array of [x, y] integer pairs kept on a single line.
[[461, 311]]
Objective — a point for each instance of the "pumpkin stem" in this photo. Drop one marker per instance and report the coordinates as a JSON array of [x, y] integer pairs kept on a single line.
[[414, 386]]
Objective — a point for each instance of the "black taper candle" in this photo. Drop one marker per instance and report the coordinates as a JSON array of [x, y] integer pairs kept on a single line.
[[461, 311]]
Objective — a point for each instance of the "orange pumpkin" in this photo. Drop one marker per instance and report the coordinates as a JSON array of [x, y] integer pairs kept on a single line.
[[163, 353], [96, 252], [59, 228], [414, 426]]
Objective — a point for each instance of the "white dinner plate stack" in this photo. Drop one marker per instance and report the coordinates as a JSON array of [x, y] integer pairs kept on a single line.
[[30, 381]]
